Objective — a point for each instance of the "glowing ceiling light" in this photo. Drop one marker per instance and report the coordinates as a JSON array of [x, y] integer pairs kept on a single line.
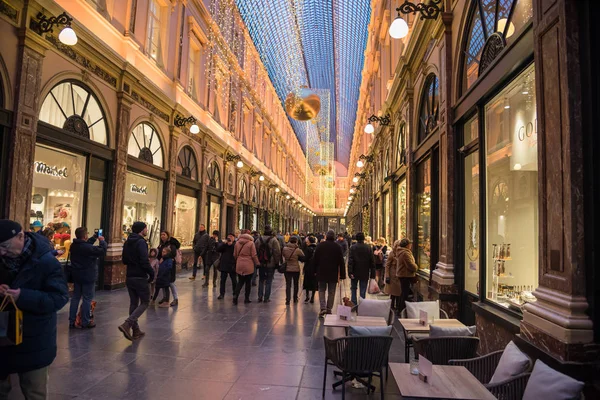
[[517, 167], [68, 36], [239, 164], [276, 190], [502, 26], [369, 128], [398, 28], [355, 179], [194, 129], [287, 197], [261, 178], [360, 164]]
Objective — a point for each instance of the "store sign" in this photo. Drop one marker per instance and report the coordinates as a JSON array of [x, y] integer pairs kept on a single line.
[[42, 168], [139, 189]]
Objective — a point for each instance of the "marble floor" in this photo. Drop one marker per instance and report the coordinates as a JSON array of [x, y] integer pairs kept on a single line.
[[203, 349]]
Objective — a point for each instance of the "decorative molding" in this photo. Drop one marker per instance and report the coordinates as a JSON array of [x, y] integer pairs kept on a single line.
[[8, 10], [493, 46], [83, 61], [137, 97]]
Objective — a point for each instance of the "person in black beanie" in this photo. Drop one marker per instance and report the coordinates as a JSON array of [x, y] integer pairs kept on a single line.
[[35, 280], [139, 274]]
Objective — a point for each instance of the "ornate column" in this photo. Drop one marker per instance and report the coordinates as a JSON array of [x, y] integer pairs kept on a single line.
[[558, 323], [203, 180], [171, 179], [21, 147], [223, 219]]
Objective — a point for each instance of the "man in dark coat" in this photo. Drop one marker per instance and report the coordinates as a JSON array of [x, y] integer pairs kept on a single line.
[[227, 264], [266, 271], [35, 280], [211, 256], [200, 244], [343, 244], [329, 262], [139, 275], [360, 262], [84, 256]]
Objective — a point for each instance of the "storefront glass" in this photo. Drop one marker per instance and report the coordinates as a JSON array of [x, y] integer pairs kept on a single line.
[[185, 219], [214, 218], [424, 221], [57, 201], [401, 209], [471, 179], [387, 227], [94, 206], [143, 202], [511, 193]]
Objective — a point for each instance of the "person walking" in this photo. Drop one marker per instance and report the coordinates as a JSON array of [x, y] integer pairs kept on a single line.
[[269, 257], [166, 240], [200, 245], [34, 278], [246, 261], [227, 264], [329, 262], [310, 283], [292, 255], [360, 262], [84, 266], [401, 266], [163, 278], [154, 263], [211, 256], [139, 274], [380, 253], [343, 245]]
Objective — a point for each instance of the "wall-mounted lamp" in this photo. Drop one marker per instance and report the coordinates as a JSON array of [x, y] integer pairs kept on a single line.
[[234, 157], [383, 121], [363, 159], [180, 122], [429, 10], [44, 24]]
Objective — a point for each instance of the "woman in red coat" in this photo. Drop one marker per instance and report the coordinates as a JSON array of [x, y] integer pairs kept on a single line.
[[246, 260]]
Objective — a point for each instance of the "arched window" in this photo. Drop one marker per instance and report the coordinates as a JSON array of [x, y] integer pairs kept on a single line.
[[214, 175], [243, 190], [186, 163], [144, 143], [74, 108], [253, 194], [492, 24], [429, 111], [401, 146]]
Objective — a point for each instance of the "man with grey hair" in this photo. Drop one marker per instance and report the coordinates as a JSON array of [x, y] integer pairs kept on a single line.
[[330, 266]]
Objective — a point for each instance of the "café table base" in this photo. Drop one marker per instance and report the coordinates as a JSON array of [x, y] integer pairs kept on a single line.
[[370, 388]]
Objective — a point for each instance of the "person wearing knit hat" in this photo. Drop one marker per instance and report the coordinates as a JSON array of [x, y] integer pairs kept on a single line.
[[331, 267], [139, 274], [34, 278]]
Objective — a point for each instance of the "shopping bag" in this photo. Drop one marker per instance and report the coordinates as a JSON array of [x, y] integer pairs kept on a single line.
[[344, 309], [78, 317], [373, 286], [11, 322]]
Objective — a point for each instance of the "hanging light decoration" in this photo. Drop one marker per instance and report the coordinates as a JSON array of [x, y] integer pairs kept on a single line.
[[303, 105]]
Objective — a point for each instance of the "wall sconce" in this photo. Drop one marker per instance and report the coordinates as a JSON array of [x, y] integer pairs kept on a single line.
[[231, 157], [399, 28], [363, 159], [357, 176], [383, 121], [180, 122], [44, 24]]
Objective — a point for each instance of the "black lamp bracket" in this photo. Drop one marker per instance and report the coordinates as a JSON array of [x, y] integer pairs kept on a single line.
[[45, 24], [429, 10], [182, 121]]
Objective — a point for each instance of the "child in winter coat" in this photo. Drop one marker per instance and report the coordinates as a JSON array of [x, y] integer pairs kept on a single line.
[[163, 278], [154, 263]]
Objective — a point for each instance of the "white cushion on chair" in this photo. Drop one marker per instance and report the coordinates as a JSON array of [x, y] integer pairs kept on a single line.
[[546, 383], [370, 330], [374, 308], [513, 362], [442, 331], [432, 308]]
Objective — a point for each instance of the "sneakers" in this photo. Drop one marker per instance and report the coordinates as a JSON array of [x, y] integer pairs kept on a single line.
[[175, 303], [322, 313], [220, 297], [74, 326], [125, 329], [192, 278]]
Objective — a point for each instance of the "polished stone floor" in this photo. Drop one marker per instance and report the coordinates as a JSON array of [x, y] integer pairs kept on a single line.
[[203, 349]]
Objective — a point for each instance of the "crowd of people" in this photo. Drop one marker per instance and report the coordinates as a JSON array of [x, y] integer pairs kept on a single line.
[[32, 277]]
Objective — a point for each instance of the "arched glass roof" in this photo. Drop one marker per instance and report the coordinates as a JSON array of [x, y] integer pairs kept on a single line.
[[315, 43]]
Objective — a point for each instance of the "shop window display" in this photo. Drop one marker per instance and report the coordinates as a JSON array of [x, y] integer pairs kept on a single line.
[[471, 221], [185, 220], [58, 187], [401, 209], [143, 202], [215, 216], [512, 193], [424, 220]]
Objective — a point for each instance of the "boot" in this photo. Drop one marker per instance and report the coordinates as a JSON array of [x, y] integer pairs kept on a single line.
[[125, 329], [137, 332], [312, 298], [175, 303]]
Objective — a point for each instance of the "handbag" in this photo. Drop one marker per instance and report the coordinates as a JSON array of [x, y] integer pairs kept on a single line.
[[282, 267], [11, 323], [344, 310], [69, 270], [373, 287]]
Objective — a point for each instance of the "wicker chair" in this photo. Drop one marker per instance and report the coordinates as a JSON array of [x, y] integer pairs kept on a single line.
[[440, 350], [483, 369], [357, 357], [408, 339]]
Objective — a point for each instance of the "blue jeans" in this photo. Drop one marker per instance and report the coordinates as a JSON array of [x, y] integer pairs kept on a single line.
[[363, 289], [85, 290], [265, 281]]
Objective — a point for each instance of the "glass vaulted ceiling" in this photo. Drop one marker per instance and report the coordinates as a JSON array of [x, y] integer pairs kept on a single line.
[[314, 43]]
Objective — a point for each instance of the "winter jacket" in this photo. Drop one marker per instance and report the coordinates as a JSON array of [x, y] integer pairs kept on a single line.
[[329, 262], [344, 246], [383, 253], [174, 243], [360, 261], [227, 263], [163, 278], [200, 243], [135, 257], [292, 254], [84, 256], [281, 242], [43, 292], [154, 263], [245, 256], [211, 253], [309, 262], [274, 247], [401, 263]]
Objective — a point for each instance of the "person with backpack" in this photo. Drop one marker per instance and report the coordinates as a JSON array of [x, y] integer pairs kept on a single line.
[[269, 257], [380, 253], [360, 262], [227, 264], [200, 245], [166, 240], [292, 254], [330, 266], [211, 257]]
